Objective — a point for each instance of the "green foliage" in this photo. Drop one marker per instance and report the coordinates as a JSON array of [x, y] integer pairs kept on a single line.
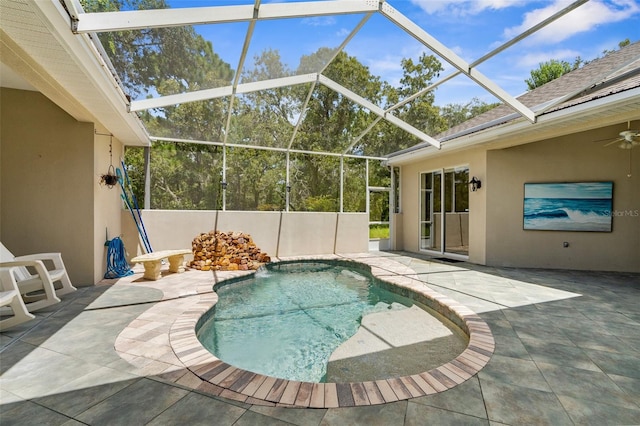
[[256, 179], [331, 120], [378, 231], [134, 160], [355, 182], [552, 69], [164, 61], [454, 114], [420, 112], [546, 72], [621, 44], [186, 176], [321, 203]]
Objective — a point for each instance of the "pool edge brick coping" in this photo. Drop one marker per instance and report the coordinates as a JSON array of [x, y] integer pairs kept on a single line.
[[245, 386]]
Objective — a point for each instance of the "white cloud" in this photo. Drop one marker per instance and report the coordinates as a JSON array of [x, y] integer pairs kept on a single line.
[[384, 65], [320, 21], [463, 7], [533, 59], [584, 18], [387, 67], [384, 56]]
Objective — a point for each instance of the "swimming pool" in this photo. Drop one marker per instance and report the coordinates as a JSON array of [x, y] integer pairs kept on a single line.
[[215, 376], [293, 320]]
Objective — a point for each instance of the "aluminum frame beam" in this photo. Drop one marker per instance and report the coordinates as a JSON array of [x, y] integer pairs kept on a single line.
[[448, 55], [477, 62], [281, 82], [377, 110], [128, 20], [303, 112], [495, 51], [320, 71], [220, 92], [157, 18], [587, 84], [269, 148]]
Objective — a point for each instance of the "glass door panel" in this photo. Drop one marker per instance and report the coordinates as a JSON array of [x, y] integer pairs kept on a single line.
[[426, 209], [436, 221], [444, 211], [456, 237]]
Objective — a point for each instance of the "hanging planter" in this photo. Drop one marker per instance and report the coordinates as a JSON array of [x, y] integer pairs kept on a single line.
[[110, 179]]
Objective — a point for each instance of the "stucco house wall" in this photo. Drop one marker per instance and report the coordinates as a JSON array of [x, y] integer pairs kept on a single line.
[[496, 210], [50, 198], [410, 200], [573, 158]]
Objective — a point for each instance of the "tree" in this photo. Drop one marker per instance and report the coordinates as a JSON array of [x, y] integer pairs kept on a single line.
[[189, 176], [167, 61], [257, 178], [330, 124], [455, 114], [552, 69], [621, 44], [548, 71], [162, 60], [420, 112]]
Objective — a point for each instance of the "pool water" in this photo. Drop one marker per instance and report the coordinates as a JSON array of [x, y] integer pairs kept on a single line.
[[287, 320]]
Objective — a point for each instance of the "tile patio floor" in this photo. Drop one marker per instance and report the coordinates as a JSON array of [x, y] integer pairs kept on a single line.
[[567, 352]]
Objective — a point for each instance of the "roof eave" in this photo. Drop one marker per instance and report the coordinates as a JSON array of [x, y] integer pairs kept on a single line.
[[124, 125], [611, 105]]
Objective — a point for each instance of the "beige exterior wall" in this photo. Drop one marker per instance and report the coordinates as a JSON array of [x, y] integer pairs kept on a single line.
[[107, 203], [408, 233], [495, 220], [276, 233], [49, 193], [573, 158]]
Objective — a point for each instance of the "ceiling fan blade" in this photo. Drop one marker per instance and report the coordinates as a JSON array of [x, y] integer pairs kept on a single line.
[[614, 141]]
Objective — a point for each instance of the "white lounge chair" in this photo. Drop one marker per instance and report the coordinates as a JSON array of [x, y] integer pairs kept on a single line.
[[10, 298], [32, 275]]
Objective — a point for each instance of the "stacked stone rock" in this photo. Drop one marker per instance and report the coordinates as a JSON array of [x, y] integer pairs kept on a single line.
[[230, 251]]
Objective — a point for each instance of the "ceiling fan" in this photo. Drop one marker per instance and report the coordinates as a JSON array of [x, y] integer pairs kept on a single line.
[[628, 139]]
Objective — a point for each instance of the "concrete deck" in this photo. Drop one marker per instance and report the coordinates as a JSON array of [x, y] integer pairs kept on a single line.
[[567, 352]]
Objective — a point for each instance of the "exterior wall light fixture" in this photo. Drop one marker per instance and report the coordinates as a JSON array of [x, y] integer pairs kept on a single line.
[[475, 184]]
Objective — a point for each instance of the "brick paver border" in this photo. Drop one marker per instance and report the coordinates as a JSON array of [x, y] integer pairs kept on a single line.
[[231, 382]]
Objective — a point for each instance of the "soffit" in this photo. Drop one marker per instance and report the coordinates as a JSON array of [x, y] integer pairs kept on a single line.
[[12, 80], [34, 49], [614, 109]]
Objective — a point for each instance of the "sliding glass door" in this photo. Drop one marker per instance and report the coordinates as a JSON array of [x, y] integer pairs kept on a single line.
[[444, 226]]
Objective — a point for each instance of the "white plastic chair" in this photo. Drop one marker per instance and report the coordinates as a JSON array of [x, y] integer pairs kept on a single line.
[[32, 275], [10, 298]]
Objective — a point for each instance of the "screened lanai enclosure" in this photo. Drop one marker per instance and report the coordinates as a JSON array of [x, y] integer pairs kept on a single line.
[[265, 106]]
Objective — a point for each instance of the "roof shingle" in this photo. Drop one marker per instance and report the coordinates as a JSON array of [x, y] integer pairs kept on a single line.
[[616, 72]]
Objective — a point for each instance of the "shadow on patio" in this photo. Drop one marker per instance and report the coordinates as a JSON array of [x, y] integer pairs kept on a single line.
[[567, 352]]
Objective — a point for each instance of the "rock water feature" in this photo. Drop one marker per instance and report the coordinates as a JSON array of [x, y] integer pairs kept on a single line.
[[230, 251]]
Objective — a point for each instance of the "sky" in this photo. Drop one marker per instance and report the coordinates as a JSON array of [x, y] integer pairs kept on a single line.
[[469, 28]]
